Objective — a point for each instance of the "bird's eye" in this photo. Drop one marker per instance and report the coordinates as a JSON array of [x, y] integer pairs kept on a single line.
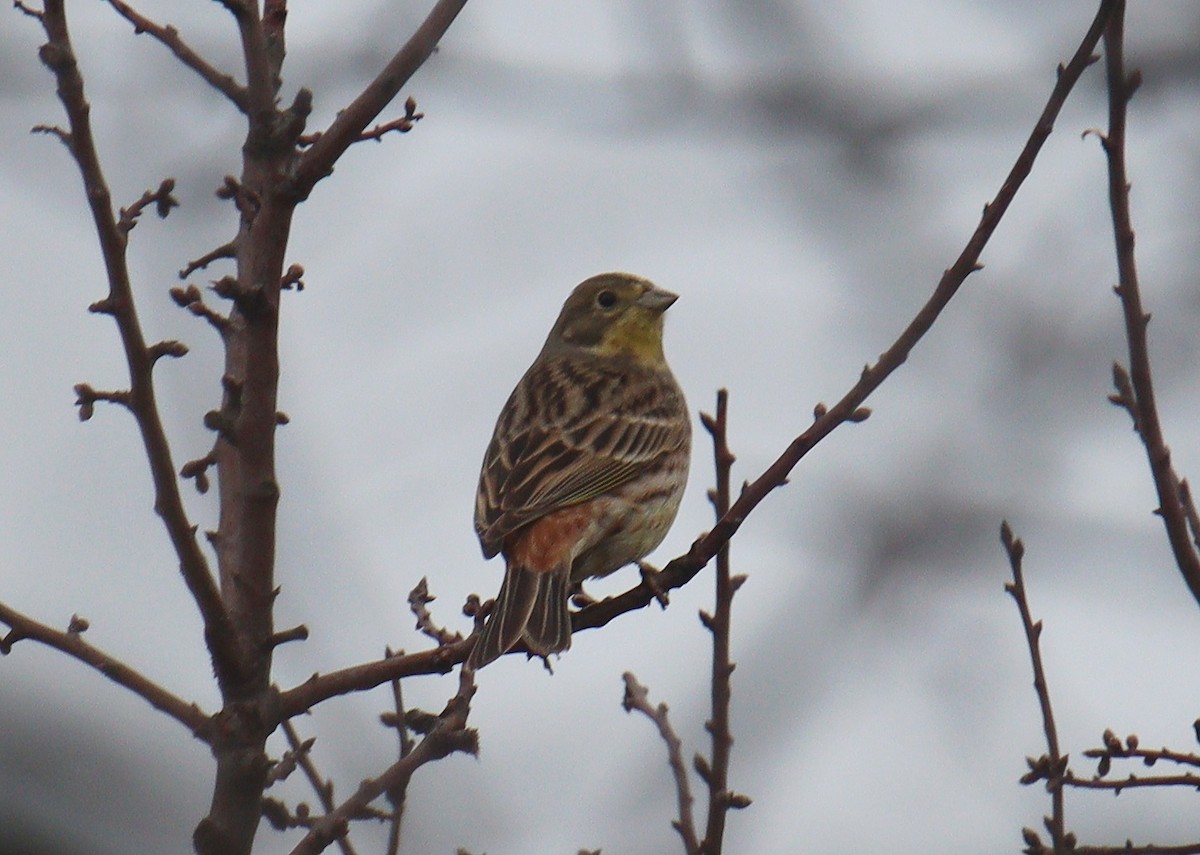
[[606, 299]]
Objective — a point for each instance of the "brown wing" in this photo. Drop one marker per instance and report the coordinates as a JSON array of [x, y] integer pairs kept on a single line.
[[573, 429]]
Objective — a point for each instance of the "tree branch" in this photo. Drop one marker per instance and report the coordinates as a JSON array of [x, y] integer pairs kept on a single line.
[[1141, 404], [716, 772], [1051, 767], [58, 55], [849, 408], [71, 643], [317, 162], [682, 569], [170, 38], [449, 734], [637, 699]]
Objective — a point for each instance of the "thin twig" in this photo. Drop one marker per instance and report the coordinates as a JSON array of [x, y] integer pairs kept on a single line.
[[716, 771], [448, 735], [637, 699], [322, 787], [1131, 749], [684, 568], [317, 162], [1053, 767], [170, 38], [849, 408], [1129, 849], [59, 57], [397, 797], [1142, 406], [418, 600], [225, 250], [1131, 782], [22, 627], [402, 125]]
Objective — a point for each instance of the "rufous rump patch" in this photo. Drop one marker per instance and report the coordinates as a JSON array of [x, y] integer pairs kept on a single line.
[[549, 543]]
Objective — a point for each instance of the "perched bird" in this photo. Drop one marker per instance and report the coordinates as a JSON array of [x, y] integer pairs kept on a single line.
[[587, 464]]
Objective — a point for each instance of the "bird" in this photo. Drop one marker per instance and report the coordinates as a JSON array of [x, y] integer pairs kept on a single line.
[[587, 464]]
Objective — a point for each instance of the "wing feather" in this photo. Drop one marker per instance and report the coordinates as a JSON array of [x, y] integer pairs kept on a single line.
[[571, 431]]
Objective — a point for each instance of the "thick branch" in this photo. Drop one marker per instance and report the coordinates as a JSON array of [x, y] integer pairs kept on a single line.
[[1142, 406], [317, 162], [59, 57], [72, 644]]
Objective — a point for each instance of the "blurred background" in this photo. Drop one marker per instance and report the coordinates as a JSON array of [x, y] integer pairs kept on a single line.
[[801, 173]]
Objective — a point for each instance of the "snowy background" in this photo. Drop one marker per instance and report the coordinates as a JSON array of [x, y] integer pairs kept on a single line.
[[800, 173]]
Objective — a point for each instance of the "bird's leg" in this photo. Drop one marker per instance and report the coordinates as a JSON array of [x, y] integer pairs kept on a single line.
[[579, 597]]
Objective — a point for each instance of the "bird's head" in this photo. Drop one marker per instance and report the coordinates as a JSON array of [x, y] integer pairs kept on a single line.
[[613, 314]]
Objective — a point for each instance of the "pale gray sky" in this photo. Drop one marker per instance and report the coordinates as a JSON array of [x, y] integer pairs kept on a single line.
[[800, 173]]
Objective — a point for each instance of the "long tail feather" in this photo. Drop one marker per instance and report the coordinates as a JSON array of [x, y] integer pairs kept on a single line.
[[548, 629], [509, 616]]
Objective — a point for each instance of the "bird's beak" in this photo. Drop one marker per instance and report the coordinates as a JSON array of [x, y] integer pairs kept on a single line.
[[657, 299]]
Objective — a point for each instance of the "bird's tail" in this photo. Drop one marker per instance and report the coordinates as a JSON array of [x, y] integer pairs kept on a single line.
[[530, 604]]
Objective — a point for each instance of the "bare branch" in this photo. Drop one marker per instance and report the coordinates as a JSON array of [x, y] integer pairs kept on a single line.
[[71, 643], [1140, 399], [317, 162], [163, 201], [58, 55], [402, 125], [1051, 767], [170, 38], [225, 250], [849, 408], [361, 678], [683, 568], [637, 699], [716, 774], [448, 735], [397, 797], [302, 751], [418, 600]]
